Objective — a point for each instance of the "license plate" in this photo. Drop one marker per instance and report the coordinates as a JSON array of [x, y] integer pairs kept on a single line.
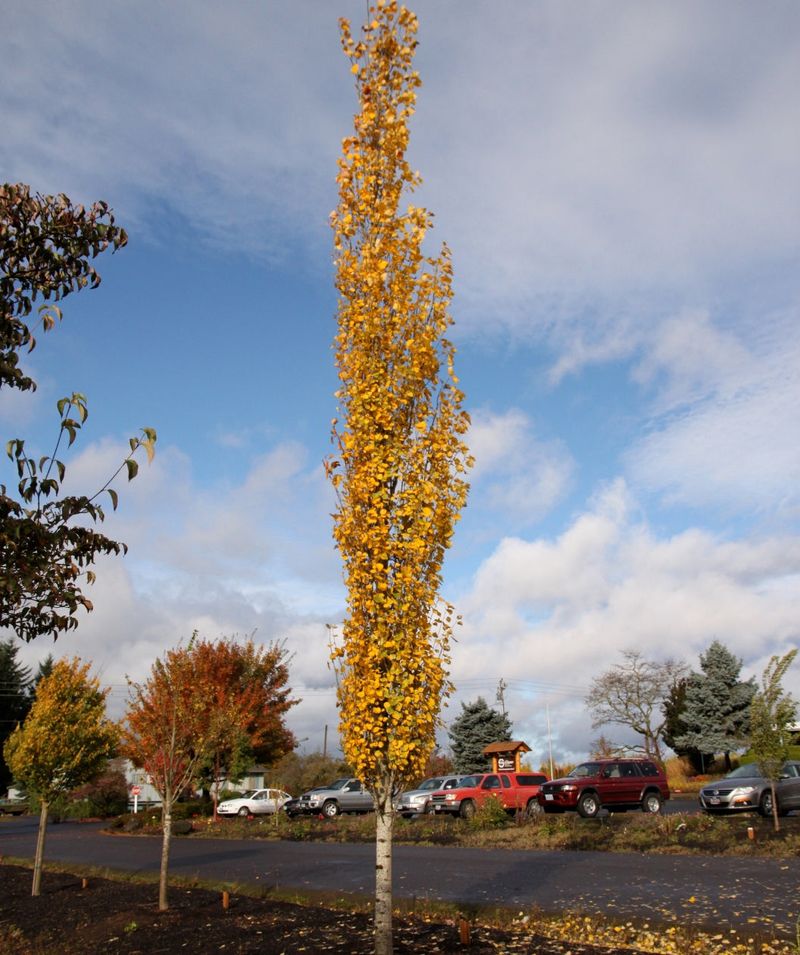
[[548, 797], [714, 800]]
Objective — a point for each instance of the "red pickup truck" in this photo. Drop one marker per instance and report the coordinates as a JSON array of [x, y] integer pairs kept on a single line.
[[518, 792]]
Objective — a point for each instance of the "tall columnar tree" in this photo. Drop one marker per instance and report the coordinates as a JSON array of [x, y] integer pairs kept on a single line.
[[401, 457], [717, 710], [772, 714], [470, 733], [15, 699], [65, 741], [163, 733], [47, 543]]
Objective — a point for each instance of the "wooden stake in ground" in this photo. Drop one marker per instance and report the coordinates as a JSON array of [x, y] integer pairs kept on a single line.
[[400, 461]]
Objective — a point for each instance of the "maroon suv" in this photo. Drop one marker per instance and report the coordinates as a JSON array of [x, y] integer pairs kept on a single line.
[[613, 784]]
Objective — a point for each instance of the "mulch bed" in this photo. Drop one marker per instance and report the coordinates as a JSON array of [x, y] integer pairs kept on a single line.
[[123, 917]]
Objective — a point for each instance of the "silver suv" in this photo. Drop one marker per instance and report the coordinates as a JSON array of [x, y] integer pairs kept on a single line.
[[417, 800], [345, 795]]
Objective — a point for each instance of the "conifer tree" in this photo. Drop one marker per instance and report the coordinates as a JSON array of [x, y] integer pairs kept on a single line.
[[472, 731], [15, 699], [717, 707]]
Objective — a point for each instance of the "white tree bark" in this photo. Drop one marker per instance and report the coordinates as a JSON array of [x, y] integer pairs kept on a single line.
[[384, 820]]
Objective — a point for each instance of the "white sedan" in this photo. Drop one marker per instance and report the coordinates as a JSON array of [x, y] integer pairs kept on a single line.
[[255, 802]]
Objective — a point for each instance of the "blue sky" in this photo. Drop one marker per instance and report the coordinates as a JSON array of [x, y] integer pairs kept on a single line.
[[618, 184]]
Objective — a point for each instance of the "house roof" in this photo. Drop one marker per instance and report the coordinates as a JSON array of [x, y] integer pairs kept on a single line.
[[507, 746]]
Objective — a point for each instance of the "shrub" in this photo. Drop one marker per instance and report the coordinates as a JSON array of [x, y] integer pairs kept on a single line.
[[491, 815], [191, 808], [107, 795]]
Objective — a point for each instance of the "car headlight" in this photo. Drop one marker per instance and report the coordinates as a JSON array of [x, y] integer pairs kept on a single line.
[[568, 788], [450, 797], [744, 792]]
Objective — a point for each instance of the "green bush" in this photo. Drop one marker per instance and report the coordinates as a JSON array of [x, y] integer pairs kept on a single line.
[[491, 815], [191, 808]]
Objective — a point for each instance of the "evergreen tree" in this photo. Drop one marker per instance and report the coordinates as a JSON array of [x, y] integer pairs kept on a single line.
[[675, 727], [717, 706], [472, 731], [15, 700], [45, 669]]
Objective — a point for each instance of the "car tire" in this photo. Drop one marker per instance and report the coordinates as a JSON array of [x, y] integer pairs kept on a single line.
[[651, 803], [533, 809], [467, 809], [588, 805], [244, 812], [330, 809], [765, 804]]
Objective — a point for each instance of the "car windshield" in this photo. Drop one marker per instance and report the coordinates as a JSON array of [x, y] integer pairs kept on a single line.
[[433, 783], [585, 769], [747, 771], [247, 795], [339, 784], [469, 782]]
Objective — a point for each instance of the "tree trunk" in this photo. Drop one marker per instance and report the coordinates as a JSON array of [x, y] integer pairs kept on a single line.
[[384, 819], [166, 825], [37, 862], [775, 818]]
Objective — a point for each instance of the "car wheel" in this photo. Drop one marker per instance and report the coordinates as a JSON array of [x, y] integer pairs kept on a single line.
[[330, 809], [765, 804], [651, 802], [467, 810], [588, 805], [533, 809], [244, 812]]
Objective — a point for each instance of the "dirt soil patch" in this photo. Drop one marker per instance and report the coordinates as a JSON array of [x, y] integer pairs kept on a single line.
[[122, 917]]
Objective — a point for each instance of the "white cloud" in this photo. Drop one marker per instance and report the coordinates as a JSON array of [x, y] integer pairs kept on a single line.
[[569, 153], [515, 473], [726, 434], [225, 560], [552, 614]]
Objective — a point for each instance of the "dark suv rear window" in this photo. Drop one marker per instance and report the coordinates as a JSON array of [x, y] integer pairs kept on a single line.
[[649, 769], [530, 780]]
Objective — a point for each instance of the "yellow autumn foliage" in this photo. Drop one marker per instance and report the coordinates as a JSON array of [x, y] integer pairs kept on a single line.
[[400, 461]]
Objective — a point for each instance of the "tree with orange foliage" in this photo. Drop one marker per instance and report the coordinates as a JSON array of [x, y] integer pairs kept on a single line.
[[399, 469], [164, 733], [246, 696]]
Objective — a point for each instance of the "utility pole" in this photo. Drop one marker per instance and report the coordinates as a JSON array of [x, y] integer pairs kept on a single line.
[[501, 697], [325, 742]]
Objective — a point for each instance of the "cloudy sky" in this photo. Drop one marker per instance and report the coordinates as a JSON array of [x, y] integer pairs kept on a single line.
[[619, 185]]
